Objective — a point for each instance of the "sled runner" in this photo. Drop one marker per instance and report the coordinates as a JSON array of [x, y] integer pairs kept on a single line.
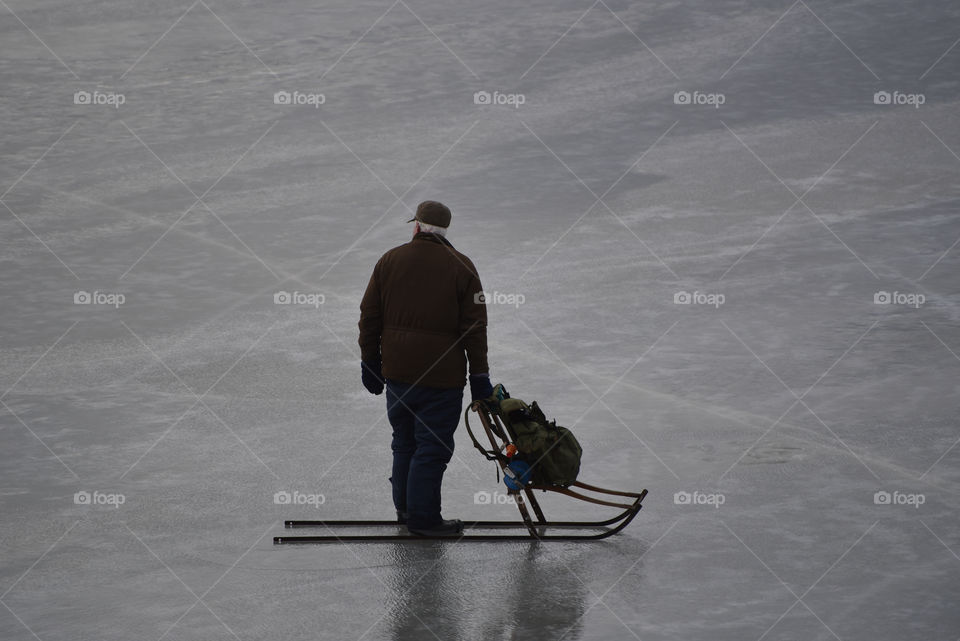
[[544, 462]]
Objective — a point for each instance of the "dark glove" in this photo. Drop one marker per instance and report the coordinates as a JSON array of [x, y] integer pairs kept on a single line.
[[372, 377], [480, 387]]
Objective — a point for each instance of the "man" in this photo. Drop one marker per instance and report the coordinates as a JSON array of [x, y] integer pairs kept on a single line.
[[422, 318]]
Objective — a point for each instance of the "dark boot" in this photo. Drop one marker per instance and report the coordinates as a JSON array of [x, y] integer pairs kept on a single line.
[[447, 527]]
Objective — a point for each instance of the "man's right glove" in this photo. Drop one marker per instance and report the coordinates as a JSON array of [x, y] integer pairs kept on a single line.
[[372, 377], [480, 387]]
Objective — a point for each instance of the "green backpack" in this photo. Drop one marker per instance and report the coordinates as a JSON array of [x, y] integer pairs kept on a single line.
[[551, 450]]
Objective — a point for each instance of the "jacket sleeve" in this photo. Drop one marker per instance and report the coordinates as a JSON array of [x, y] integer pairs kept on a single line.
[[371, 319], [473, 324]]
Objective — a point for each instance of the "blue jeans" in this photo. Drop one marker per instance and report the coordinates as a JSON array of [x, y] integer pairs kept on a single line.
[[423, 420]]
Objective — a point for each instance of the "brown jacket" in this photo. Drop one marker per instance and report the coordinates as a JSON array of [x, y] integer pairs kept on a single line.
[[424, 314]]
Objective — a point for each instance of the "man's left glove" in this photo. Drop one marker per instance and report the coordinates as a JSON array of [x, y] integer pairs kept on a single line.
[[372, 377], [480, 387]]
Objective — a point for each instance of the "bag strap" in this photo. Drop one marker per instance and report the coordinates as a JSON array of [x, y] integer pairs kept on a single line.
[[490, 455], [537, 414]]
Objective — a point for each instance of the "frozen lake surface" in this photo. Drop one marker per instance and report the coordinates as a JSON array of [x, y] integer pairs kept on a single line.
[[791, 172]]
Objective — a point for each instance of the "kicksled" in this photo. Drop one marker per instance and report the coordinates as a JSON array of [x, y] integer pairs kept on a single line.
[[522, 480]]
